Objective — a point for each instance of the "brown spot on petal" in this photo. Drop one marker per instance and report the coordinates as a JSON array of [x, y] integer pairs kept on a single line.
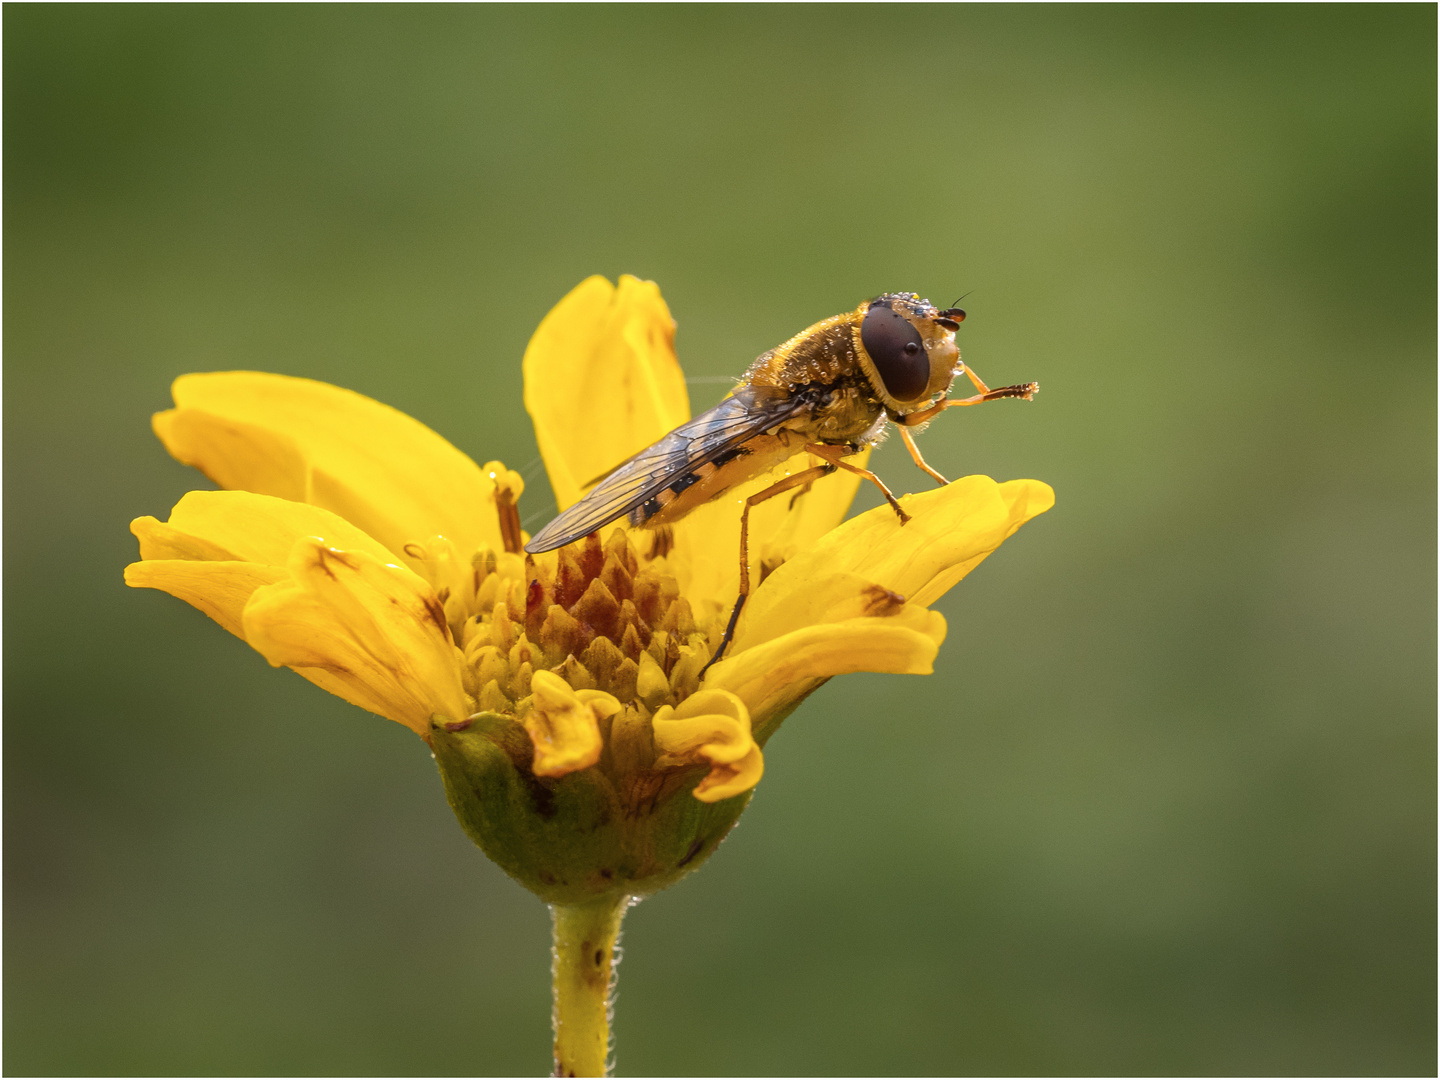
[[877, 600], [325, 556], [435, 612]]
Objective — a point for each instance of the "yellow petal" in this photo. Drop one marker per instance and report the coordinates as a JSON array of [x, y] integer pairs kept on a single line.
[[308, 441], [829, 598], [375, 627], [564, 724], [731, 778], [950, 532], [772, 676], [220, 589], [799, 523], [602, 381], [242, 525], [220, 546], [711, 726], [1026, 499]]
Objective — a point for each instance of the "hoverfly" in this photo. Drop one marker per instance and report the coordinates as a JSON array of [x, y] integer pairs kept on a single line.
[[828, 391]]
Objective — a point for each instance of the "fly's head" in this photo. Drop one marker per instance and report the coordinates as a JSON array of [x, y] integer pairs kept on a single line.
[[907, 348]]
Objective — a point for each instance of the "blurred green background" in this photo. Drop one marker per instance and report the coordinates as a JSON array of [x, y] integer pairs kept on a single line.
[[1167, 805]]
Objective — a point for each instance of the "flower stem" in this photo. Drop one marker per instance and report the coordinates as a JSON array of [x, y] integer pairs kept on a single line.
[[585, 936]]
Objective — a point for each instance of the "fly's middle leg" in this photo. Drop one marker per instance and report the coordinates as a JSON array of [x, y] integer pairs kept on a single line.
[[833, 454], [803, 478]]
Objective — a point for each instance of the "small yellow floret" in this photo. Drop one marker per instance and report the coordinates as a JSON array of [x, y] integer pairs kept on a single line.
[[564, 724], [711, 726]]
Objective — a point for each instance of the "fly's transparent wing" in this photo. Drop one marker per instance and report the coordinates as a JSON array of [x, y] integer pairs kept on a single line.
[[649, 472]]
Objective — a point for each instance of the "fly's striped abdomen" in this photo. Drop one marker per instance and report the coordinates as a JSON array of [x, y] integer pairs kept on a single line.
[[668, 478], [713, 478]]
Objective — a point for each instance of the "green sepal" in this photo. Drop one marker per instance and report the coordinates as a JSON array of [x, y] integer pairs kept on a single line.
[[574, 839]]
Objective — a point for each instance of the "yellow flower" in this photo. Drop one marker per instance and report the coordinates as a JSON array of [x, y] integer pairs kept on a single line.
[[361, 549]]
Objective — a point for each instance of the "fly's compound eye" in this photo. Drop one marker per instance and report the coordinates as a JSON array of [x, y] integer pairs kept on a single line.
[[897, 351]]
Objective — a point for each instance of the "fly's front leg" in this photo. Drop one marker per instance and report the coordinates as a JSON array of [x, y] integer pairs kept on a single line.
[[833, 454], [915, 454], [801, 479], [984, 393], [1025, 391], [905, 423]]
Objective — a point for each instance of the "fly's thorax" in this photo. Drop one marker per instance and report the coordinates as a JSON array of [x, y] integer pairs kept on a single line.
[[849, 412], [822, 354], [820, 368]]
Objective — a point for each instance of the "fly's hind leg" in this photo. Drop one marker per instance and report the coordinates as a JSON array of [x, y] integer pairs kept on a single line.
[[805, 490], [801, 479]]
